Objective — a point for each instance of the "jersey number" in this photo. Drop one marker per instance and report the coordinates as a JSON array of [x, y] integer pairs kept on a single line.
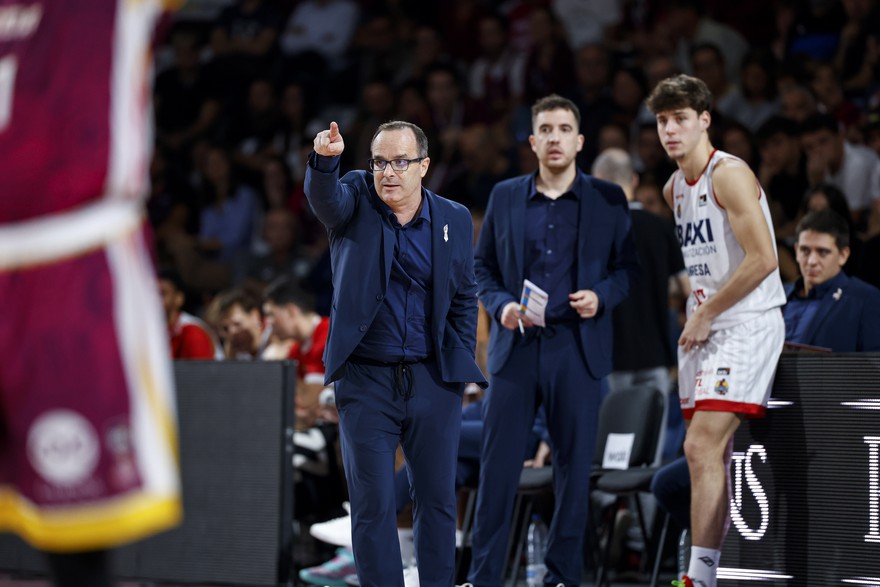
[[8, 67]]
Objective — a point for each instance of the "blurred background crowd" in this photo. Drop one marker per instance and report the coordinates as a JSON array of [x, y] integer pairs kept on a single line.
[[242, 86]]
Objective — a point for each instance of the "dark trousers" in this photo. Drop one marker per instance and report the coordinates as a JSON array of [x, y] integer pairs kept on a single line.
[[546, 365], [671, 486], [468, 464], [373, 417]]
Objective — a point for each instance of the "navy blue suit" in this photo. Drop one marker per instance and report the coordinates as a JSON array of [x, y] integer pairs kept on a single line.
[[847, 319], [560, 366], [373, 415]]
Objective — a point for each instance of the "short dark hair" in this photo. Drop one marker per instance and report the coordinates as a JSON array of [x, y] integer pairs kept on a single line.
[[171, 275], [826, 222], [833, 195], [820, 121], [284, 291], [238, 297], [680, 91], [421, 138], [555, 102]]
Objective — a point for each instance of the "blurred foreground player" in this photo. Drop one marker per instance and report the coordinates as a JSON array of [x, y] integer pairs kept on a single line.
[[88, 456]]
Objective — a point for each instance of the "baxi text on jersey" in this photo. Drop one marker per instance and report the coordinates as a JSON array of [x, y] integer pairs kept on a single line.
[[693, 233], [699, 251]]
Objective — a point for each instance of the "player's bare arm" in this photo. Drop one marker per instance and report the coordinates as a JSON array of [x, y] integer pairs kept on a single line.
[[736, 189], [667, 191]]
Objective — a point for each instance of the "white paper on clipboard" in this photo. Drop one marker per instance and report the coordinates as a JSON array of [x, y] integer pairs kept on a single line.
[[533, 303]]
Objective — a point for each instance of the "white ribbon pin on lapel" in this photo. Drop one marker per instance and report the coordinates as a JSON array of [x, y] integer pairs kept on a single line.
[[836, 295], [445, 233]]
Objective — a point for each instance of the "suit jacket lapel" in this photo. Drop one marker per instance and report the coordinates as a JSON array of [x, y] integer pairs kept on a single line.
[[517, 211], [386, 233], [441, 247], [586, 206], [825, 311]]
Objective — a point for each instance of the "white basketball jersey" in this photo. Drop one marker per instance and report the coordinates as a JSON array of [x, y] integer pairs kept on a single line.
[[711, 251]]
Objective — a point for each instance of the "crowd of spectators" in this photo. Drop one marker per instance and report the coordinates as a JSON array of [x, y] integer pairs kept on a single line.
[[243, 86], [240, 94]]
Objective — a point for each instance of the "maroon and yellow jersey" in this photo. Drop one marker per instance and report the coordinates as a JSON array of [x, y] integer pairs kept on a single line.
[[88, 454], [74, 103]]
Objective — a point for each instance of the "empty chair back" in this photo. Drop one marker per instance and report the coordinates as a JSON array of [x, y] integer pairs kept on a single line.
[[638, 411]]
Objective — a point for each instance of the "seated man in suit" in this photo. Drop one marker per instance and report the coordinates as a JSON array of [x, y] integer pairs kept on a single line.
[[825, 307]]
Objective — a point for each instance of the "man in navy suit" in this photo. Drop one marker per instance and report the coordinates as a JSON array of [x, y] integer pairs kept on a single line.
[[571, 235], [401, 345], [825, 307]]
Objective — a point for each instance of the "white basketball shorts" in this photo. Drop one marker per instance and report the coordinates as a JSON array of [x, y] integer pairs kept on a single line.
[[733, 370]]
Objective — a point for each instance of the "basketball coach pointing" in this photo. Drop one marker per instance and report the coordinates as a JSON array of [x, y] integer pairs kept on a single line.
[[401, 344]]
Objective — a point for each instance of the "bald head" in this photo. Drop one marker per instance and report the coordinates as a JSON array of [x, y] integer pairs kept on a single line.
[[615, 165]]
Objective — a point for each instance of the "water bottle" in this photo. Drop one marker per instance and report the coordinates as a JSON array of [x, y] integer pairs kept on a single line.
[[537, 544], [684, 552]]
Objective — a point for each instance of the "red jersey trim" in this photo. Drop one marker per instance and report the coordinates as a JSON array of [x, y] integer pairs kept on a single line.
[[715, 197], [757, 184], [713, 405], [696, 179]]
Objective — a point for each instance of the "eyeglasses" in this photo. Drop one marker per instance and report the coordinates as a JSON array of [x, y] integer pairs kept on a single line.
[[396, 164]]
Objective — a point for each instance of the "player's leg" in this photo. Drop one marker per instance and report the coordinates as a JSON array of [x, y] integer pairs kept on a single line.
[[708, 446]]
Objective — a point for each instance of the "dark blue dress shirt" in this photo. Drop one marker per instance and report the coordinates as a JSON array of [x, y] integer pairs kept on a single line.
[[401, 330], [551, 233], [800, 310]]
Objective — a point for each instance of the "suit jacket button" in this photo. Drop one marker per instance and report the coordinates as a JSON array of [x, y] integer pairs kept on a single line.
[[379, 297], [363, 328]]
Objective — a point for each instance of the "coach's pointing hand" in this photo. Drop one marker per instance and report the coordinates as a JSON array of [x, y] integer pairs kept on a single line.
[[329, 142]]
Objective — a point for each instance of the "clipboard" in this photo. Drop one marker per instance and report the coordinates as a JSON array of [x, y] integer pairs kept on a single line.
[[533, 303]]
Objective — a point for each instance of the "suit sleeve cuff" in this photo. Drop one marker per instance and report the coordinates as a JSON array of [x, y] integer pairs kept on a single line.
[[322, 163]]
